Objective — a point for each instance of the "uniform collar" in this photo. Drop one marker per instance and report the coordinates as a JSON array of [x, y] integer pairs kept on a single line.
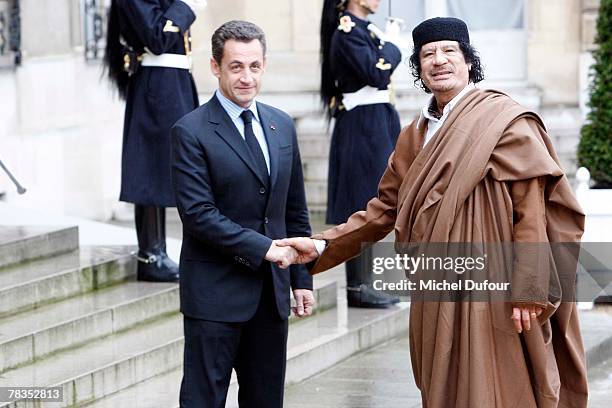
[[425, 111], [234, 110], [357, 20]]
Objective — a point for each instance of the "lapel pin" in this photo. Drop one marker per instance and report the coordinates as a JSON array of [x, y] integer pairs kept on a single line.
[[272, 127]]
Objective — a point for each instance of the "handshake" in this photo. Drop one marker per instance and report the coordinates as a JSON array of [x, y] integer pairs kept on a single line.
[[289, 251]]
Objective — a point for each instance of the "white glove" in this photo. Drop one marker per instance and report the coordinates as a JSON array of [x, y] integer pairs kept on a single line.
[[392, 33], [195, 5], [378, 32], [393, 29]]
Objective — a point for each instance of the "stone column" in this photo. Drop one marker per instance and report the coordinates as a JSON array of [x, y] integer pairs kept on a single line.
[[553, 49], [589, 14]]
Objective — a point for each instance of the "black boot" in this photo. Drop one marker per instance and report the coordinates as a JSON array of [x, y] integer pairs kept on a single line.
[[359, 289], [154, 265]]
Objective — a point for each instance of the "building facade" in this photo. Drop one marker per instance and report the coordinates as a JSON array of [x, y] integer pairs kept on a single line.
[[61, 124]]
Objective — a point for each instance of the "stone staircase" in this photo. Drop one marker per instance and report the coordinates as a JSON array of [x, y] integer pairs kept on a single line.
[[314, 137], [75, 317]]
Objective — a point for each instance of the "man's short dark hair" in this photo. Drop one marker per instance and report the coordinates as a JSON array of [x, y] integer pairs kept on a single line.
[[237, 30], [469, 54]]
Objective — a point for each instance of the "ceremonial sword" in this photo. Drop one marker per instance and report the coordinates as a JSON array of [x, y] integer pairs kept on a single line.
[[20, 188]]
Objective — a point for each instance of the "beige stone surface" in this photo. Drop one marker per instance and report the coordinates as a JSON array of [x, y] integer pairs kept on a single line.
[[60, 127], [45, 27], [305, 28], [292, 37], [590, 4], [589, 31], [554, 49]]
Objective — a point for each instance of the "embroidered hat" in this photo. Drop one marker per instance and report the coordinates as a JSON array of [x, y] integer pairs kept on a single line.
[[439, 29]]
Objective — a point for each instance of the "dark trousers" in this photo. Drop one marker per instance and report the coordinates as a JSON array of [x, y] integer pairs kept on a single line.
[[359, 269], [256, 349]]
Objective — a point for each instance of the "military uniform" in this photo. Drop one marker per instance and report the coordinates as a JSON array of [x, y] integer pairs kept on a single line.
[[157, 96], [364, 135], [154, 46]]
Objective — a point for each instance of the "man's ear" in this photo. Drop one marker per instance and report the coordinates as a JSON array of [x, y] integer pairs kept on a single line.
[[215, 68]]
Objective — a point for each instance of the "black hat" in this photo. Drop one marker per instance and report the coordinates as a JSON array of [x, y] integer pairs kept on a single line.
[[439, 29]]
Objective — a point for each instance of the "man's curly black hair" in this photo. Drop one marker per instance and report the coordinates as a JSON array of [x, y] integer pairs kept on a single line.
[[469, 53]]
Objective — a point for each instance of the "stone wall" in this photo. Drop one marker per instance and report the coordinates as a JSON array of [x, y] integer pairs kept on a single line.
[[60, 124], [554, 49]]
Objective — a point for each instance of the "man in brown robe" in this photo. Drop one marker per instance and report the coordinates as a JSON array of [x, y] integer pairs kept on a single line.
[[475, 167]]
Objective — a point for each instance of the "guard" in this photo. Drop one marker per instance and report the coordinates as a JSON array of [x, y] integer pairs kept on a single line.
[[356, 68], [148, 59]]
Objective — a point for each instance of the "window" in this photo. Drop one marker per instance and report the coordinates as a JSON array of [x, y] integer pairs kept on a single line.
[[497, 30], [95, 14], [487, 14], [10, 33]]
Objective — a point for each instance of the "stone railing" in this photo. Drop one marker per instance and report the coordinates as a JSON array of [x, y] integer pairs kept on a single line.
[[597, 204]]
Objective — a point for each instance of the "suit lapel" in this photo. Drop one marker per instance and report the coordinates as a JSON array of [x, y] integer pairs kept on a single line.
[[228, 132], [273, 140]]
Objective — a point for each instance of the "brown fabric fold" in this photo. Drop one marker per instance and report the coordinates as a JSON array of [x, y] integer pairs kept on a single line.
[[489, 175]]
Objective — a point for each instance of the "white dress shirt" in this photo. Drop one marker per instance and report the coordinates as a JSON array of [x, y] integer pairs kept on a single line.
[[234, 112], [433, 123]]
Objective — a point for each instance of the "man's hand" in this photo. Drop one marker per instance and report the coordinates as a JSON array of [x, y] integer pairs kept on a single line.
[[283, 256], [304, 302], [522, 317], [305, 247]]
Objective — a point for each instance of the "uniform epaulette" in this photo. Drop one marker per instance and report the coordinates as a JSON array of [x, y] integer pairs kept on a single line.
[[346, 24], [382, 65], [170, 27]]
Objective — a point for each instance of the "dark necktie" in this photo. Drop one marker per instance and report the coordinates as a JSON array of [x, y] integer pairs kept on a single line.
[[254, 147]]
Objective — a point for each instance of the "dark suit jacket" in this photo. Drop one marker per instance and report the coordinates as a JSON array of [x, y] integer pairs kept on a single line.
[[229, 218]]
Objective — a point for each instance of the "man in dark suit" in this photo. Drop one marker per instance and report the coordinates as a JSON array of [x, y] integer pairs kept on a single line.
[[238, 181]]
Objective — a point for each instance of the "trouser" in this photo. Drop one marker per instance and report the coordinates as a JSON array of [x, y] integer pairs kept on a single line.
[[359, 269], [150, 229], [256, 349]]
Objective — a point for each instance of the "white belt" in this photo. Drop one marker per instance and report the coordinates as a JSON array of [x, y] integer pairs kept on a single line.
[[166, 60], [367, 95]]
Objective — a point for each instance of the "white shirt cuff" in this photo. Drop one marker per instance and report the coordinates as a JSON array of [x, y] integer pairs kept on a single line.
[[319, 245]]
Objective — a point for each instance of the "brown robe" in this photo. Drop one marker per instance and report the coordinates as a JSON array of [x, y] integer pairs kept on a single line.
[[490, 174]]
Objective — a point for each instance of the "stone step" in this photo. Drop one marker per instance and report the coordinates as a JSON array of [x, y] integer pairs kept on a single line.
[[313, 123], [600, 384], [565, 141], [325, 294], [317, 210], [314, 344], [24, 243], [104, 366], [112, 363], [315, 169], [596, 328], [33, 334], [316, 193], [314, 146], [33, 284], [162, 391]]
